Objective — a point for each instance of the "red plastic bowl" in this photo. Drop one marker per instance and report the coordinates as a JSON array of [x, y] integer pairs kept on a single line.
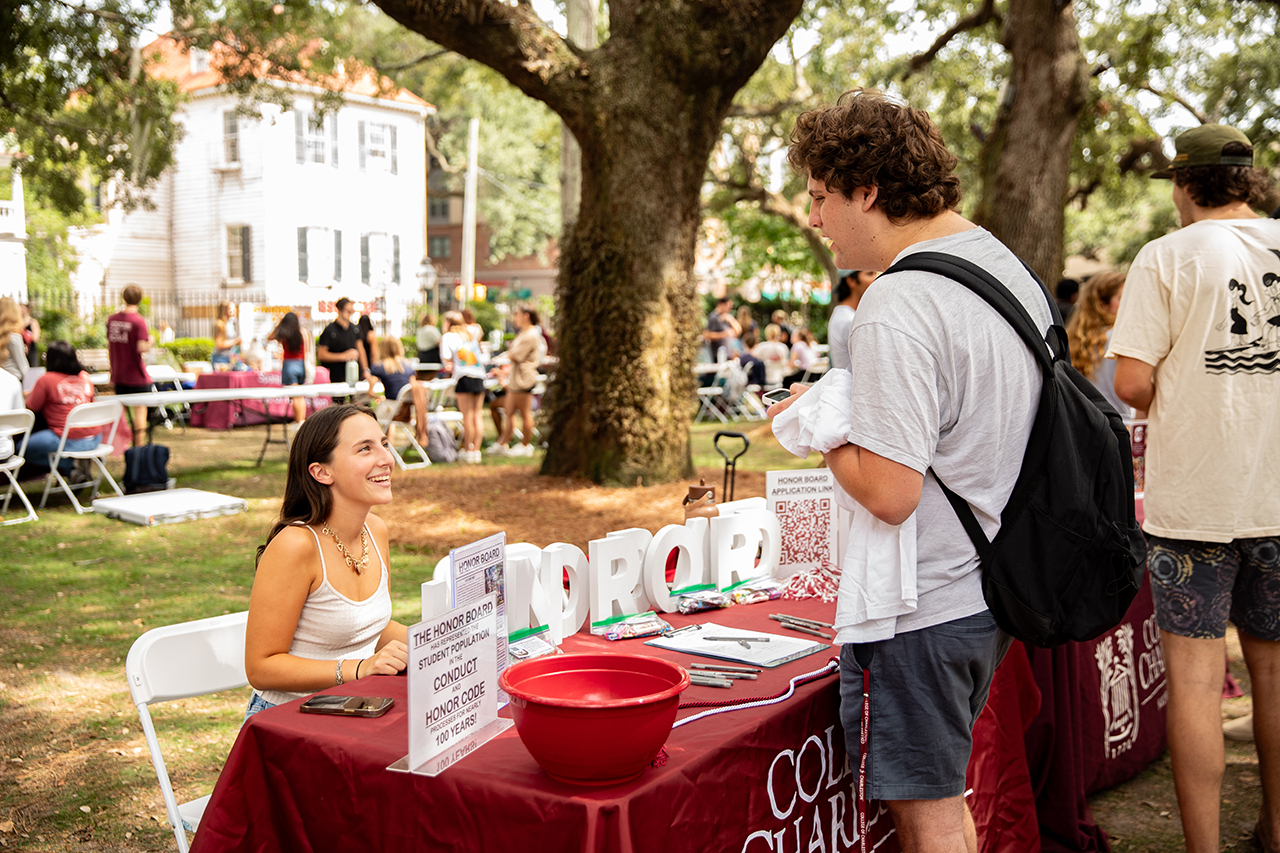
[[595, 719]]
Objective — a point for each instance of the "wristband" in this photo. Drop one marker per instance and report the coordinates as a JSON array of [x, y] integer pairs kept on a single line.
[[358, 669], [337, 673]]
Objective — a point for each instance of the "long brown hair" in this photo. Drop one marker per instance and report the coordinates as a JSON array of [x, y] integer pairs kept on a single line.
[[306, 499], [1091, 320]]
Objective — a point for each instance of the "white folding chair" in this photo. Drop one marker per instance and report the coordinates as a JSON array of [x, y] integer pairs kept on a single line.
[[17, 426], [815, 371], [165, 378], [386, 414], [100, 414], [178, 662]]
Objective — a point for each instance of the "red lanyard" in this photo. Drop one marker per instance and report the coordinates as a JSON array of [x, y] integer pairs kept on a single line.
[[862, 759]]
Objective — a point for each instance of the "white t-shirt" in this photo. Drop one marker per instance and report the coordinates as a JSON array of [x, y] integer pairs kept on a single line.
[[941, 380], [838, 336], [464, 354], [1202, 305], [777, 361], [803, 355], [10, 401]]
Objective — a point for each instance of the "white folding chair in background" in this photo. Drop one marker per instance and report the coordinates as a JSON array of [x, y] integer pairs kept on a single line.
[[386, 414], [177, 662], [711, 396], [100, 414], [17, 427], [165, 378]]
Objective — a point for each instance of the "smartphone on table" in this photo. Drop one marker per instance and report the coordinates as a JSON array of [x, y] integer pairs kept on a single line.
[[348, 706]]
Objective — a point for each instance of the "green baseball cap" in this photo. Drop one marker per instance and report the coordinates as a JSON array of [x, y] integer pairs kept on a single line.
[[1202, 146]]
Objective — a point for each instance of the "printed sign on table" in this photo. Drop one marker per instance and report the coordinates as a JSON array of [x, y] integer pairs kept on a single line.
[[477, 570], [453, 687], [804, 501]]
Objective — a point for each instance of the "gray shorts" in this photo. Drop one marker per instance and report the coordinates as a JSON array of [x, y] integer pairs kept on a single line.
[[927, 689]]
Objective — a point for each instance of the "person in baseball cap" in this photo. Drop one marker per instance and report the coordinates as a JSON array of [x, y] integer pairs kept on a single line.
[[1209, 145]]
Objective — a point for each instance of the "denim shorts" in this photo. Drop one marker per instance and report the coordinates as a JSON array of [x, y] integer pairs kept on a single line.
[[293, 371], [927, 689], [1198, 586], [256, 704]]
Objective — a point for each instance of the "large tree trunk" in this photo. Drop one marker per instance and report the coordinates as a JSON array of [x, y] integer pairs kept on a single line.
[[646, 108], [1026, 160]]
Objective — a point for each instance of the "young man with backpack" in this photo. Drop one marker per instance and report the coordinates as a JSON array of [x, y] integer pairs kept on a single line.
[[1196, 342], [942, 383]]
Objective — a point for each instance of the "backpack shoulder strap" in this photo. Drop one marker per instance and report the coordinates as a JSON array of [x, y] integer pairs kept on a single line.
[[994, 293], [1044, 349]]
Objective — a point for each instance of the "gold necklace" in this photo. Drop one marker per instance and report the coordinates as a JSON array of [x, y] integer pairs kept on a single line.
[[351, 561]]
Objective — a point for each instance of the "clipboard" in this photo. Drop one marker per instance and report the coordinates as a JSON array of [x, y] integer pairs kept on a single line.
[[778, 650]]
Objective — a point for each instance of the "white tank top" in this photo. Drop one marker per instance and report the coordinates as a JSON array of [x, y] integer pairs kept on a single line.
[[333, 627]]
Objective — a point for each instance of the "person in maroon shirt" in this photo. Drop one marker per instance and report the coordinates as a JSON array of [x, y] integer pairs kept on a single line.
[[127, 340], [63, 386]]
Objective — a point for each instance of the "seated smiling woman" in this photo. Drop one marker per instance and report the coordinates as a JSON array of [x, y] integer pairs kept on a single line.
[[320, 610]]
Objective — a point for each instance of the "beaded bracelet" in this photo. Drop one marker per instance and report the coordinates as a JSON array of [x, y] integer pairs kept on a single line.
[[337, 673]]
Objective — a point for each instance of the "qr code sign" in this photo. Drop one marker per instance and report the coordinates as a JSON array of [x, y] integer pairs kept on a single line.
[[806, 531]]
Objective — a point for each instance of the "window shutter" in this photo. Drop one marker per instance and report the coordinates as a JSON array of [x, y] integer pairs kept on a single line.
[[333, 137], [363, 152], [302, 254], [392, 129], [395, 253], [337, 256], [246, 254], [364, 258], [299, 136]]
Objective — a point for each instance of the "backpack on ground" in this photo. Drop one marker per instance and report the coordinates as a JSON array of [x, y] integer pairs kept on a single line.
[[146, 469], [1069, 556], [442, 444]]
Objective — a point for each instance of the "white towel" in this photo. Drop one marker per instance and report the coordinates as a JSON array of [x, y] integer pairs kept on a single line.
[[878, 573]]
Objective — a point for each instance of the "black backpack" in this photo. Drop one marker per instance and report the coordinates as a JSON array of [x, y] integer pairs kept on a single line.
[[1069, 556], [146, 469]]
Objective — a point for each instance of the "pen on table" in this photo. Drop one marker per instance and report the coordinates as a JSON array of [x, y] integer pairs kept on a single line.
[[804, 629], [738, 639], [734, 676], [724, 667], [812, 623], [708, 681]]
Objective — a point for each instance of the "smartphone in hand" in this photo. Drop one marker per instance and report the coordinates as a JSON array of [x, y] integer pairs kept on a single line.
[[348, 706]]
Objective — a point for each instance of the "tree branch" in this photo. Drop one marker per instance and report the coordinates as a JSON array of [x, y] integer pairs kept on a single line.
[[986, 13], [101, 14], [1177, 99], [412, 63], [511, 39]]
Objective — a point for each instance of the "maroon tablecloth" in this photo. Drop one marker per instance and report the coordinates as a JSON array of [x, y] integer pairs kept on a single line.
[[773, 778], [234, 413]]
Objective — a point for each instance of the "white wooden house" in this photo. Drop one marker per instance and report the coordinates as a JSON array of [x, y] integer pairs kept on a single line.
[[287, 208], [13, 235]]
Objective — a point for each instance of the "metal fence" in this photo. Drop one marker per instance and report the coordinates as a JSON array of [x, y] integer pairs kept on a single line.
[[191, 314]]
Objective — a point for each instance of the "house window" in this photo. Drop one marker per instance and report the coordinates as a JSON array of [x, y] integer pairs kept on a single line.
[[315, 137], [438, 209], [316, 254], [440, 247], [377, 147], [230, 137], [379, 258], [239, 250]]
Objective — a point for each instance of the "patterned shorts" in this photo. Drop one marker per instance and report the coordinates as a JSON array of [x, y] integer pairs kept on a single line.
[[1197, 586]]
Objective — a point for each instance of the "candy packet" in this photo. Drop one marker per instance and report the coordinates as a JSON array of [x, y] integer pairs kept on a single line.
[[629, 627], [757, 590]]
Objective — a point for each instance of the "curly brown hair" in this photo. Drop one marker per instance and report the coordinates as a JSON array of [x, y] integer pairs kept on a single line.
[[1218, 186], [868, 140], [1091, 320]]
